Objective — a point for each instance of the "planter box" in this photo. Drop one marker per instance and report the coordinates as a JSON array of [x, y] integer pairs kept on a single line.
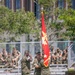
[[70, 72]]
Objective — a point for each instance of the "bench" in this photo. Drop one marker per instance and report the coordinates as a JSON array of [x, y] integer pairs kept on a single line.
[[58, 69]]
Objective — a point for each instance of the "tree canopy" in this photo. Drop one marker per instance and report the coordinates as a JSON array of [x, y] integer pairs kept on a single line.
[[22, 22], [69, 23], [62, 30], [16, 23]]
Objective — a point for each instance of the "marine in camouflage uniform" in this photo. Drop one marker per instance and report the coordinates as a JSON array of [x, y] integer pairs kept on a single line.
[[9, 61], [4, 55], [25, 64], [36, 64], [1, 60], [44, 70], [16, 55]]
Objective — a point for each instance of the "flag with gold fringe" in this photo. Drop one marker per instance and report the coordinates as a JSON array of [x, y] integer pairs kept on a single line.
[[45, 45]]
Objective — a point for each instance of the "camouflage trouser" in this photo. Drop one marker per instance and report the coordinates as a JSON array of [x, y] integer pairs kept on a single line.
[[64, 62], [23, 73], [37, 73], [45, 72], [8, 65]]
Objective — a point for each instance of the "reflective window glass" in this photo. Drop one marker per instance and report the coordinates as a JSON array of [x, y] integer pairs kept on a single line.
[[73, 4], [8, 3], [18, 4], [61, 3]]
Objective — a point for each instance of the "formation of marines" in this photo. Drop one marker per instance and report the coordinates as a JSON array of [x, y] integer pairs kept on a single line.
[[9, 60], [38, 61]]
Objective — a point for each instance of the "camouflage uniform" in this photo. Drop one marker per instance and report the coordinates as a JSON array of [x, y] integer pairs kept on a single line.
[[9, 60], [25, 66], [5, 59], [44, 70], [37, 69], [0, 62], [16, 55]]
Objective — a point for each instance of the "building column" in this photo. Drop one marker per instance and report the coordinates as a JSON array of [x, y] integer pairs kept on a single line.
[[66, 4], [12, 5], [31, 5], [22, 4]]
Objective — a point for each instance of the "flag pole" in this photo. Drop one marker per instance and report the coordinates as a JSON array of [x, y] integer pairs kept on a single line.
[[41, 9], [44, 41]]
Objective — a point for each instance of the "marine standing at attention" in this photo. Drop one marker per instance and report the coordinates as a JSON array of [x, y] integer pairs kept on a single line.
[[25, 63], [44, 70], [36, 64]]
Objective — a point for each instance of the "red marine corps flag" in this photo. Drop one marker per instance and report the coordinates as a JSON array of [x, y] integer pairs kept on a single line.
[[45, 46]]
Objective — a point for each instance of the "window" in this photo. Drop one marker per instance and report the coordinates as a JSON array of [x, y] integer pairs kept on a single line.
[[37, 9], [18, 4], [73, 4], [10, 46], [62, 45], [61, 3], [37, 47], [18, 45], [27, 5], [8, 3]]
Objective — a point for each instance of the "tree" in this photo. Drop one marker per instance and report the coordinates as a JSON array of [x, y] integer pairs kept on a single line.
[[61, 28], [69, 23], [53, 27], [13, 24]]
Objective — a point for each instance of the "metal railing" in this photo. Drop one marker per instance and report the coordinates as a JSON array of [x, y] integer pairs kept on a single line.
[[34, 47]]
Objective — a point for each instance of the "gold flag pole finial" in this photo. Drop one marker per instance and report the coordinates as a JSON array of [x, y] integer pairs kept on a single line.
[[41, 9]]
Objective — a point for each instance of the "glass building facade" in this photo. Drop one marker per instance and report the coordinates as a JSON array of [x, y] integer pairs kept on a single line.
[[73, 4], [37, 10], [18, 4], [8, 3], [32, 5], [61, 3]]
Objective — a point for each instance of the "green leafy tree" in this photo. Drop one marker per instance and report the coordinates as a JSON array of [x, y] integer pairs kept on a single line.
[[69, 23], [63, 27], [13, 24], [53, 27]]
